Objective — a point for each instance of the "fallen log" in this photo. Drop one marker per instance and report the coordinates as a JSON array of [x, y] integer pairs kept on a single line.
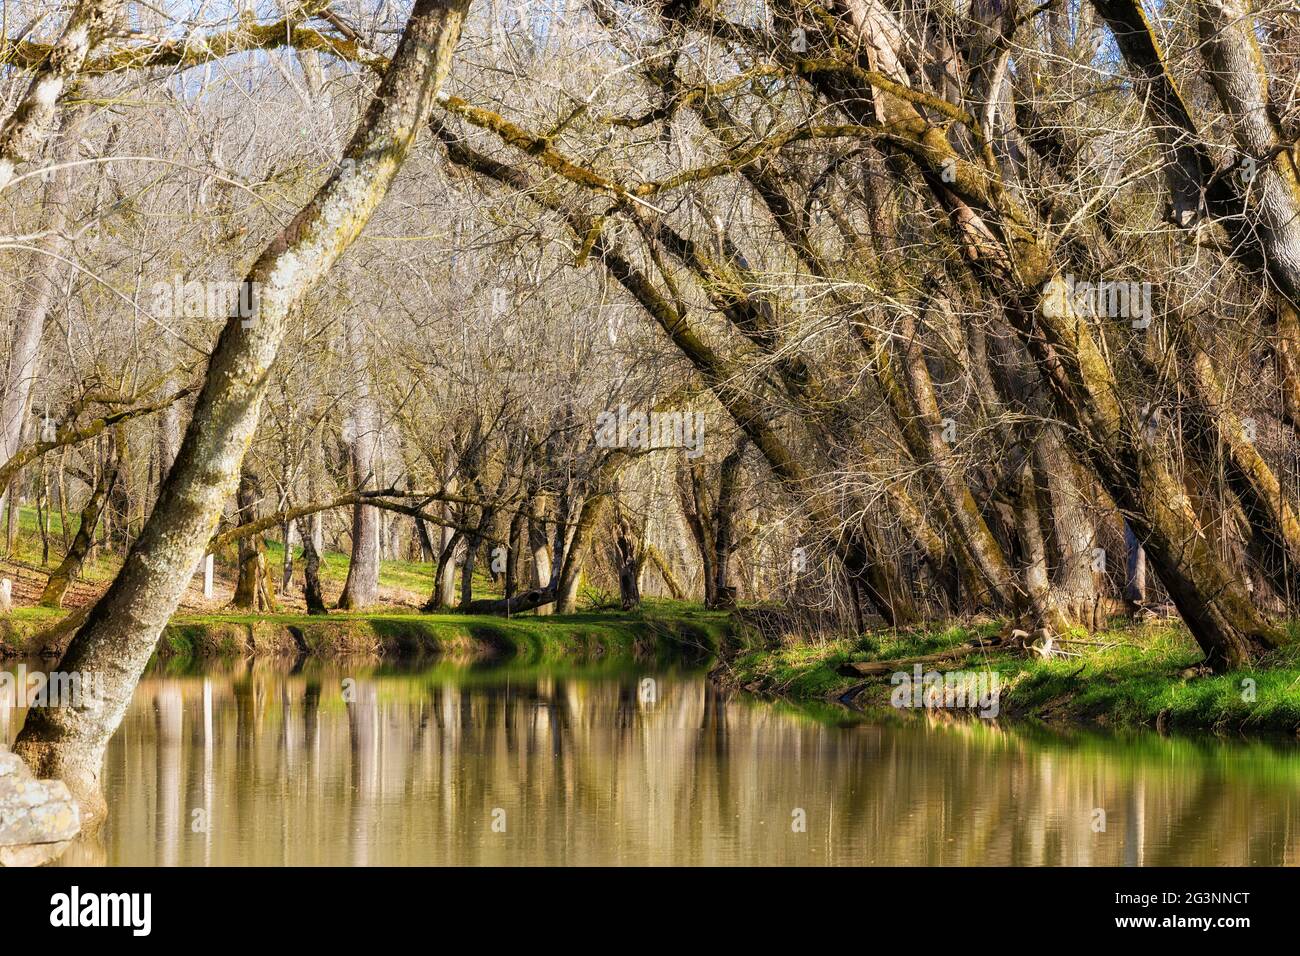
[[524, 601]]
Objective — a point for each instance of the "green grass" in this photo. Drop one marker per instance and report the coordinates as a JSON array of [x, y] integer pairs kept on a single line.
[[415, 577], [669, 629], [27, 546], [1135, 682]]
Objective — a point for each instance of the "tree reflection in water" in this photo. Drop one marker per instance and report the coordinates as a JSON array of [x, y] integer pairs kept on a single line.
[[401, 768]]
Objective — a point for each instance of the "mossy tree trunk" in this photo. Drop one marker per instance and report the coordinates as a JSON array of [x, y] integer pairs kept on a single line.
[[120, 633]]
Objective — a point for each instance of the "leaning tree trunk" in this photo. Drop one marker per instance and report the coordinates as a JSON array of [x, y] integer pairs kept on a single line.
[[120, 633], [885, 586], [999, 241], [1240, 76], [1212, 600], [904, 377]]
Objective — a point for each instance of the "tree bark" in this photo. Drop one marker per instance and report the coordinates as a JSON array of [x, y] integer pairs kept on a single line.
[[120, 633], [539, 544], [44, 267], [311, 566], [361, 589], [627, 560], [1135, 568], [27, 126], [254, 590]]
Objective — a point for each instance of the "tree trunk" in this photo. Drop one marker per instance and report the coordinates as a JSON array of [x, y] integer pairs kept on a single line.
[[690, 487], [44, 266], [311, 565], [1212, 600], [1135, 568], [1239, 74], [1044, 612], [254, 590], [169, 432], [32, 118], [361, 589], [427, 552], [472, 545], [539, 544], [287, 528], [514, 551], [120, 633], [1073, 528], [444, 575], [628, 563], [724, 593]]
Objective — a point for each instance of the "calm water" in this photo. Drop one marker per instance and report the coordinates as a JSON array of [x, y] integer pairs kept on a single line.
[[593, 766]]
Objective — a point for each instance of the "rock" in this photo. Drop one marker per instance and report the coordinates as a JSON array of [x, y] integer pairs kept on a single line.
[[10, 764], [38, 818], [36, 811], [36, 854]]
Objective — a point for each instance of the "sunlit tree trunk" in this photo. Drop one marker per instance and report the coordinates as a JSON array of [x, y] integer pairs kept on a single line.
[[32, 119], [120, 633], [361, 589], [539, 545], [1135, 568]]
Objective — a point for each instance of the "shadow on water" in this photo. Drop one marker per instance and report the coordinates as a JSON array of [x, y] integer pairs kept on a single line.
[[612, 761]]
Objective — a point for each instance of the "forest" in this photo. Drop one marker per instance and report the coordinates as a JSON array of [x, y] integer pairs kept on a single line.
[[832, 339]]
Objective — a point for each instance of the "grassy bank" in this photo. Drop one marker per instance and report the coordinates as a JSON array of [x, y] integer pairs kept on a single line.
[[658, 629], [1129, 676]]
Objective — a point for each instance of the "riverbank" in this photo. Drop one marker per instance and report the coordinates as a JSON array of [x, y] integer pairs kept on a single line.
[[1128, 676], [656, 630]]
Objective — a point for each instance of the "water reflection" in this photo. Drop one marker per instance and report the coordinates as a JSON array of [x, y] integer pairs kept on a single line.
[[254, 765]]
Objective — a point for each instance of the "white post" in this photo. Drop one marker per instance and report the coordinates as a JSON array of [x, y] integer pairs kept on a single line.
[[6, 595], [207, 577]]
